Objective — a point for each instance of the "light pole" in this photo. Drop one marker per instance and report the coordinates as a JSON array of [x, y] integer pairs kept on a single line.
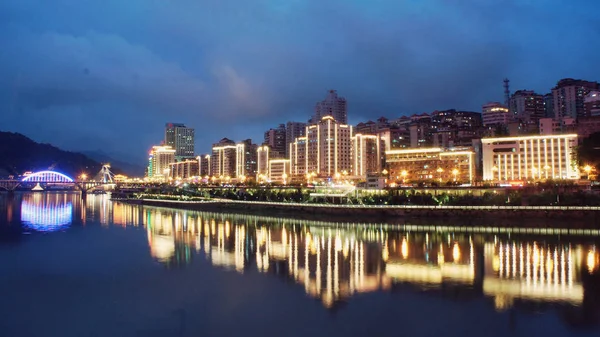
[[439, 171], [455, 173], [404, 174]]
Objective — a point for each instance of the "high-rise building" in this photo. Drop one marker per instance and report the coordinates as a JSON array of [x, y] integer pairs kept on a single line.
[[262, 162], [224, 159], [569, 95], [494, 113], [184, 169], [394, 137], [527, 107], [204, 162], [247, 157], [158, 162], [297, 154], [592, 104], [293, 130], [549, 105], [329, 148], [276, 139], [367, 152], [180, 138], [332, 105], [529, 158], [233, 161]]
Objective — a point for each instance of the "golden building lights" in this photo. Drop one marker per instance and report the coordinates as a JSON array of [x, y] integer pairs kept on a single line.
[[529, 158]]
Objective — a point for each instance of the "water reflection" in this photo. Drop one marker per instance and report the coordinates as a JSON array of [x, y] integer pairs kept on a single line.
[[333, 264], [45, 212]]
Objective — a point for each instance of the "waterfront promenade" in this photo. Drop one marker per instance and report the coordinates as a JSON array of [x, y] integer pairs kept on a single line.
[[582, 217]]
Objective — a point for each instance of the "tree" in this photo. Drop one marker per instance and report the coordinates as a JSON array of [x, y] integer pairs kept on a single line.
[[588, 153]]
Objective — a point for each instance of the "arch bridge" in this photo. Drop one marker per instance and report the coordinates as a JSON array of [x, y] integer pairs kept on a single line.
[[52, 178]]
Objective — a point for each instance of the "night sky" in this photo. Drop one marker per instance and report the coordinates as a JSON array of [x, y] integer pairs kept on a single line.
[[108, 74]]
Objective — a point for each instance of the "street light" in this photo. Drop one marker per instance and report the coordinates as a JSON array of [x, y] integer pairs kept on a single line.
[[440, 170], [403, 174], [588, 169], [455, 173], [546, 169], [284, 176], [83, 176]]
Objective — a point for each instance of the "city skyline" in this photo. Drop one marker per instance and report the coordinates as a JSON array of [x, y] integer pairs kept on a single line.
[[100, 75]]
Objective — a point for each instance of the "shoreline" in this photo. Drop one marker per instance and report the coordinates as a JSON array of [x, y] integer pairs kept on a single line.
[[580, 217]]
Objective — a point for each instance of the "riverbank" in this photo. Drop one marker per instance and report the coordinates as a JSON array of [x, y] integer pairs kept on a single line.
[[545, 216]]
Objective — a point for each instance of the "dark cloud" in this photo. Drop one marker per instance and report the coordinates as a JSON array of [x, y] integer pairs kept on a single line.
[[91, 74]]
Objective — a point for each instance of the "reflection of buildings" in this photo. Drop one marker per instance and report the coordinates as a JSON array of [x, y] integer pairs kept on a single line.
[[535, 271], [333, 264], [46, 212]]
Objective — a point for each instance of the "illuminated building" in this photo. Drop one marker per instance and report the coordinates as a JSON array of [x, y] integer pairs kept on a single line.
[[276, 139], [527, 107], [233, 161], [279, 170], [494, 113], [394, 137], [262, 162], [333, 106], [328, 149], [367, 154], [592, 104], [223, 159], [247, 159], [181, 138], [293, 130], [529, 157], [435, 164], [205, 168], [184, 169], [158, 162], [297, 154], [569, 97]]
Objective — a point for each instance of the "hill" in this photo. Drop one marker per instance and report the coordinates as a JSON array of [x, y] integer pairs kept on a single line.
[[19, 154]]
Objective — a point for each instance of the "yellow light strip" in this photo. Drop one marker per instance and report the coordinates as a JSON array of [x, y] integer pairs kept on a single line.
[[486, 140]]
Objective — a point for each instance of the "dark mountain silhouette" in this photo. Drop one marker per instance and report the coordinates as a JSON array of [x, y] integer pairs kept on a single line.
[[19, 154]]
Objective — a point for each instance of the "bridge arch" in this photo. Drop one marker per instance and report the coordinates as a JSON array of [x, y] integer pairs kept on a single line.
[[48, 176]]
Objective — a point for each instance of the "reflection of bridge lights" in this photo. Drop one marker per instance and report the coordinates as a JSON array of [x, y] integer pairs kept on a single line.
[[46, 217]]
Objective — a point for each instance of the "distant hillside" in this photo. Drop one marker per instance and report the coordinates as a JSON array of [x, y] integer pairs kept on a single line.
[[19, 154], [129, 169]]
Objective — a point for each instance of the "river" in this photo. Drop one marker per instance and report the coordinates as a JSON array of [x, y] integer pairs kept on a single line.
[[100, 268]]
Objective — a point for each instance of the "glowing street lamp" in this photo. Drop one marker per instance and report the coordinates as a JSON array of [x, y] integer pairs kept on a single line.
[[588, 169], [404, 173], [83, 176], [284, 176], [455, 173], [439, 171], [534, 171], [546, 169]]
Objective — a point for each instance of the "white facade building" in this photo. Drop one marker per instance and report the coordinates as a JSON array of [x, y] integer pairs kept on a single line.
[[328, 148], [367, 152], [494, 113], [529, 158]]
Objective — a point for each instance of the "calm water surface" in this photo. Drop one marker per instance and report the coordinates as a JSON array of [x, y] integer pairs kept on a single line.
[[98, 268]]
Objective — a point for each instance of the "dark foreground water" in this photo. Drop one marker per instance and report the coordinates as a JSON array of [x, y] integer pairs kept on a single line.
[[97, 268]]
